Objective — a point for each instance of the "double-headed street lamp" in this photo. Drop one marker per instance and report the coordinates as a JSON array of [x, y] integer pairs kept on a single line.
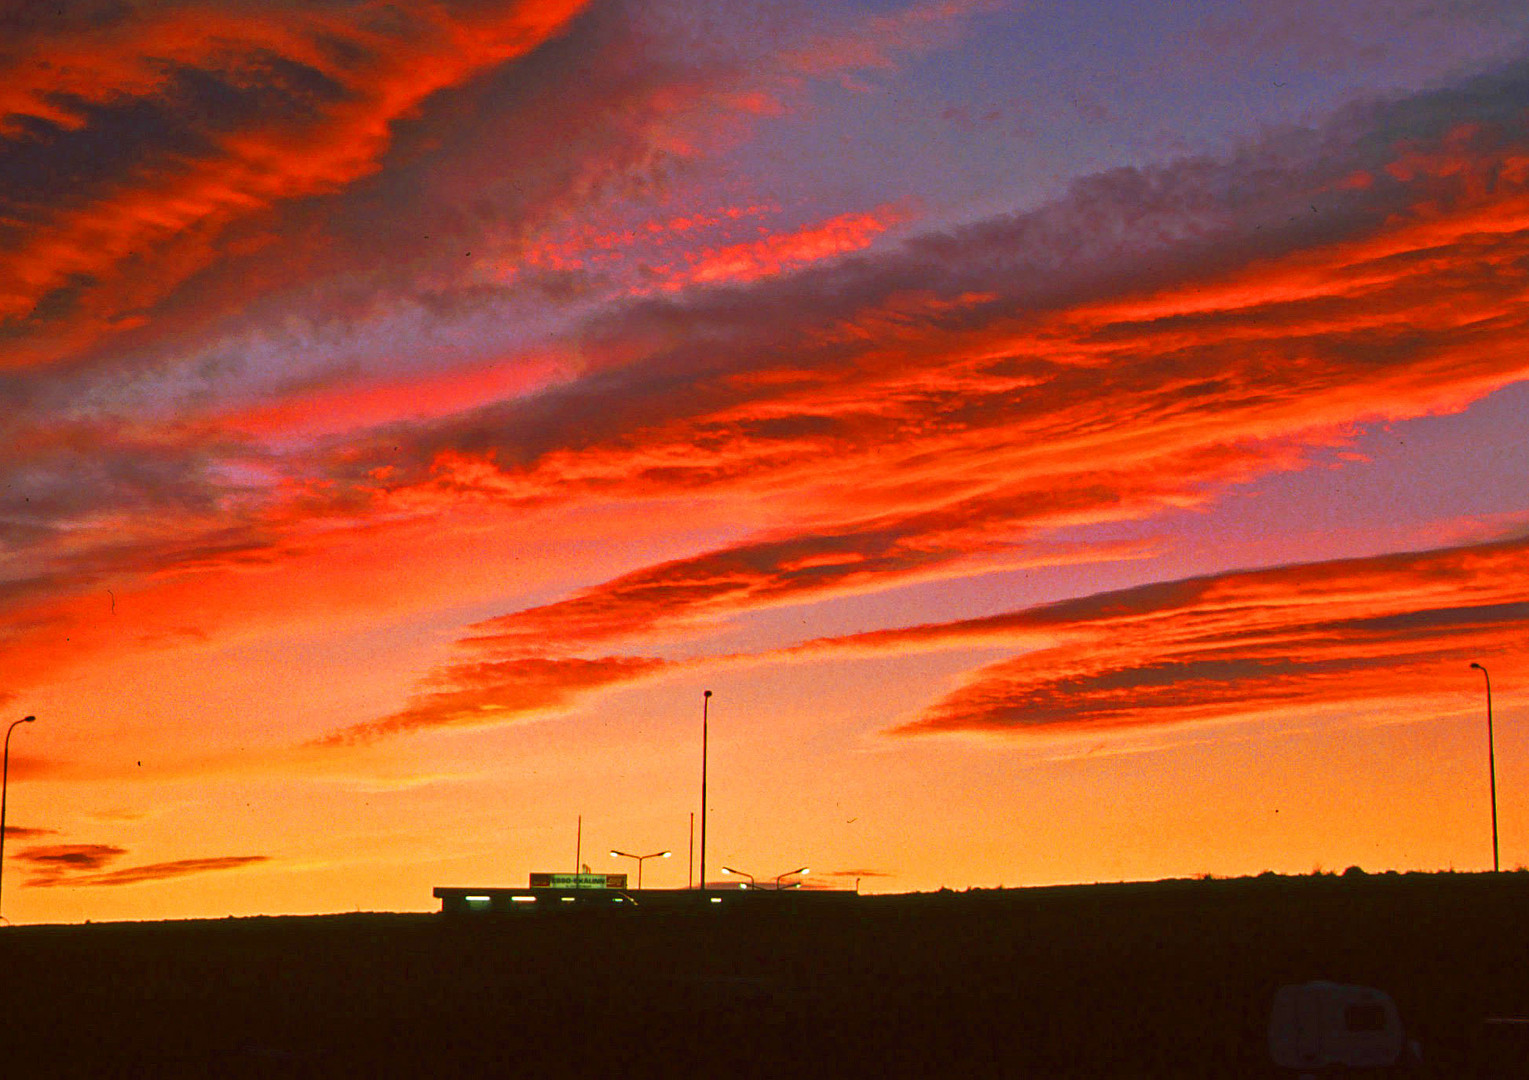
[[791, 873], [5, 783], [740, 873], [1491, 763], [779, 878], [640, 859]]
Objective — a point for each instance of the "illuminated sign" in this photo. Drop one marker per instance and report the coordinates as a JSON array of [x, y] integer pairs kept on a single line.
[[578, 881]]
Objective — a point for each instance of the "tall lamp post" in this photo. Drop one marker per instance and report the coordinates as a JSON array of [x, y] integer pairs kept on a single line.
[[705, 701], [1491, 763], [5, 783], [640, 859], [791, 873], [740, 873]]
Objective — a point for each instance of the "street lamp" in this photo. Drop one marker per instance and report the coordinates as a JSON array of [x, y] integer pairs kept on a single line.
[[705, 701], [791, 873], [640, 859], [5, 783], [740, 873], [1491, 763]]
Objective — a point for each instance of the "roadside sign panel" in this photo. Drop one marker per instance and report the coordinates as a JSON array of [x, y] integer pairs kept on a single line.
[[578, 881]]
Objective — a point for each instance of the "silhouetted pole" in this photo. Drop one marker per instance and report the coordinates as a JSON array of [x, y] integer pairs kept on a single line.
[[740, 873], [705, 701], [690, 864], [640, 859], [1491, 764], [5, 783]]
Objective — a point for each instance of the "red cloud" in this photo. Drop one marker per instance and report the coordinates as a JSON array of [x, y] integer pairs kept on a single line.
[[363, 404], [342, 80], [923, 434], [1231, 644], [774, 255], [926, 435], [1141, 343], [497, 691], [1389, 627], [986, 530]]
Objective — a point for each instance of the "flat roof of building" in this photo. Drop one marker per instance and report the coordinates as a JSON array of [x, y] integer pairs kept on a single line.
[[472, 899]]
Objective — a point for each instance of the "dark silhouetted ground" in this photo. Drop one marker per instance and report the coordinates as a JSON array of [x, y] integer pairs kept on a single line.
[[1170, 979]]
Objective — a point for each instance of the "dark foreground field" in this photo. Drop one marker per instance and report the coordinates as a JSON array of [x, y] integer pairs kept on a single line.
[[1172, 979]]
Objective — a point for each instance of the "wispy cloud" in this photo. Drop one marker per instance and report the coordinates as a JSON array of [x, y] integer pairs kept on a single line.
[[134, 875], [295, 102], [76, 865], [885, 41], [784, 251], [888, 414], [1232, 645], [22, 832], [1151, 340], [55, 861], [500, 691], [1391, 627]]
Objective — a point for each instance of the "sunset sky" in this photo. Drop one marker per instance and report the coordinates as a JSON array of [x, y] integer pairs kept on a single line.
[[1074, 440]]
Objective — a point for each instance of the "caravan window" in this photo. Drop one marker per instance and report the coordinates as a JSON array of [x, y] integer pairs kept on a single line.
[[1364, 1017]]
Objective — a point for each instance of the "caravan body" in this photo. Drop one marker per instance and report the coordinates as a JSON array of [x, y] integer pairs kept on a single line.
[[1320, 1024]]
